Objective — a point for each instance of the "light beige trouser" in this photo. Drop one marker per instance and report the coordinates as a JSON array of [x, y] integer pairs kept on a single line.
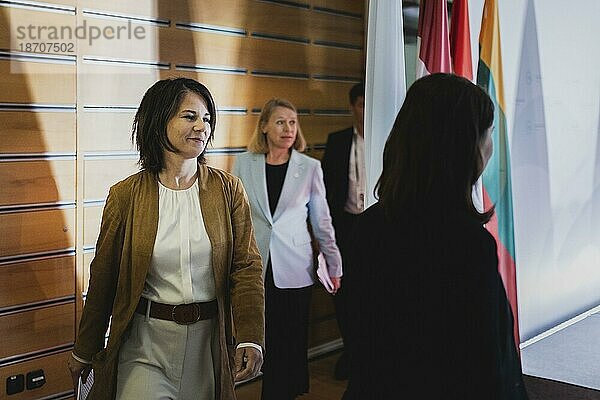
[[165, 361]]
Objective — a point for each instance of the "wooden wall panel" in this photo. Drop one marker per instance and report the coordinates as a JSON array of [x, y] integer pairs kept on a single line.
[[102, 173], [317, 128], [105, 131], [37, 280], [256, 16], [37, 329], [15, 31], [224, 162], [37, 132], [58, 379], [36, 231], [39, 181], [249, 15], [92, 216], [135, 41], [328, 27], [225, 50], [260, 54], [111, 85], [234, 130], [253, 91], [351, 6], [37, 82], [138, 8]]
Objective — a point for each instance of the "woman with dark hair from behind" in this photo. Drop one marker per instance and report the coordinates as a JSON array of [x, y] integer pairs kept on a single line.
[[432, 319]]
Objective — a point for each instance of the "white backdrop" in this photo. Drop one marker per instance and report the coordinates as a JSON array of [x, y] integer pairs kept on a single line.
[[551, 61]]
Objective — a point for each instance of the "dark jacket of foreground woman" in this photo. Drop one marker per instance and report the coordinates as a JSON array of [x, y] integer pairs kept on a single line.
[[431, 317]]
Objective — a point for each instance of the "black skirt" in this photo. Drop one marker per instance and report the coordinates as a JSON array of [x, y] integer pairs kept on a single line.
[[285, 368]]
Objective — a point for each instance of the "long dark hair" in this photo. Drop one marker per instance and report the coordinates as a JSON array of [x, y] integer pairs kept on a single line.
[[159, 104], [432, 157]]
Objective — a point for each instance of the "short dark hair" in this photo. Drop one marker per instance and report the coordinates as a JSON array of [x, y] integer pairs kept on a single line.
[[159, 104], [356, 91], [432, 157]]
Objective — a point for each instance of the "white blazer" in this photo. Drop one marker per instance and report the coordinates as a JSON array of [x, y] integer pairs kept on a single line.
[[284, 236]]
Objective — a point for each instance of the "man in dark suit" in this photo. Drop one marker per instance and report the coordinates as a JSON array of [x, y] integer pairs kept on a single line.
[[344, 175]]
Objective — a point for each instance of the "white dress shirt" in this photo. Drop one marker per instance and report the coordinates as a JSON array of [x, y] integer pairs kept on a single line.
[[355, 203]]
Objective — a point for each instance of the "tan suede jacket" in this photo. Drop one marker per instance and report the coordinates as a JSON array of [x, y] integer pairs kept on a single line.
[[120, 265]]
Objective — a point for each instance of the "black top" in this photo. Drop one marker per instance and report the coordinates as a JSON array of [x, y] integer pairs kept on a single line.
[[275, 179], [431, 317]]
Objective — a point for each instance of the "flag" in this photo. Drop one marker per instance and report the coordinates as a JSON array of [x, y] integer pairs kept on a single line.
[[433, 45], [460, 40], [385, 84], [462, 65], [496, 177]]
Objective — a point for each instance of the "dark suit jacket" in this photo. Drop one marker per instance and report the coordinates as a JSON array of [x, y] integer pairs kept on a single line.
[[335, 165], [431, 317]]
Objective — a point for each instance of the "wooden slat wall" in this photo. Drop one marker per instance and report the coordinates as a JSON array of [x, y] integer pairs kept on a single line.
[[15, 17], [50, 181], [37, 329], [38, 169], [39, 82], [92, 215], [253, 16], [33, 232], [122, 85], [66, 126], [37, 280], [37, 132], [102, 172], [58, 380]]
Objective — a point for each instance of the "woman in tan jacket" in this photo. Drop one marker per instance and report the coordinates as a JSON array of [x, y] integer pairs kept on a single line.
[[176, 270]]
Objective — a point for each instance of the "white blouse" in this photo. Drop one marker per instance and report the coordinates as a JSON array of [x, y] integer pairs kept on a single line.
[[181, 267]]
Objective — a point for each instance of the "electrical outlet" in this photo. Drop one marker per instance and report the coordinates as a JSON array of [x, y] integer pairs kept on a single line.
[[15, 384], [35, 379]]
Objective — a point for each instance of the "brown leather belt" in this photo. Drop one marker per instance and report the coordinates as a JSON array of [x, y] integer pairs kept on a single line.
[[183, 314]]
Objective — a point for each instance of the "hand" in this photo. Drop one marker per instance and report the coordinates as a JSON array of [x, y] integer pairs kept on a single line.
[[337, 284], [78, 369], [248, 361]]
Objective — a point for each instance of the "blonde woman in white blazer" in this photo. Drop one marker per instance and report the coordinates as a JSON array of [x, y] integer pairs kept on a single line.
[[286, 191]]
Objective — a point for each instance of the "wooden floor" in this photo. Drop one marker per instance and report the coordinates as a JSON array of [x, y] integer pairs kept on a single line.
[[322, 384], [324, 387]]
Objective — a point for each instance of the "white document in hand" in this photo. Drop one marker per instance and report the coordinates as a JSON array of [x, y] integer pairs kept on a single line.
[[323, 274], [83, 389]]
